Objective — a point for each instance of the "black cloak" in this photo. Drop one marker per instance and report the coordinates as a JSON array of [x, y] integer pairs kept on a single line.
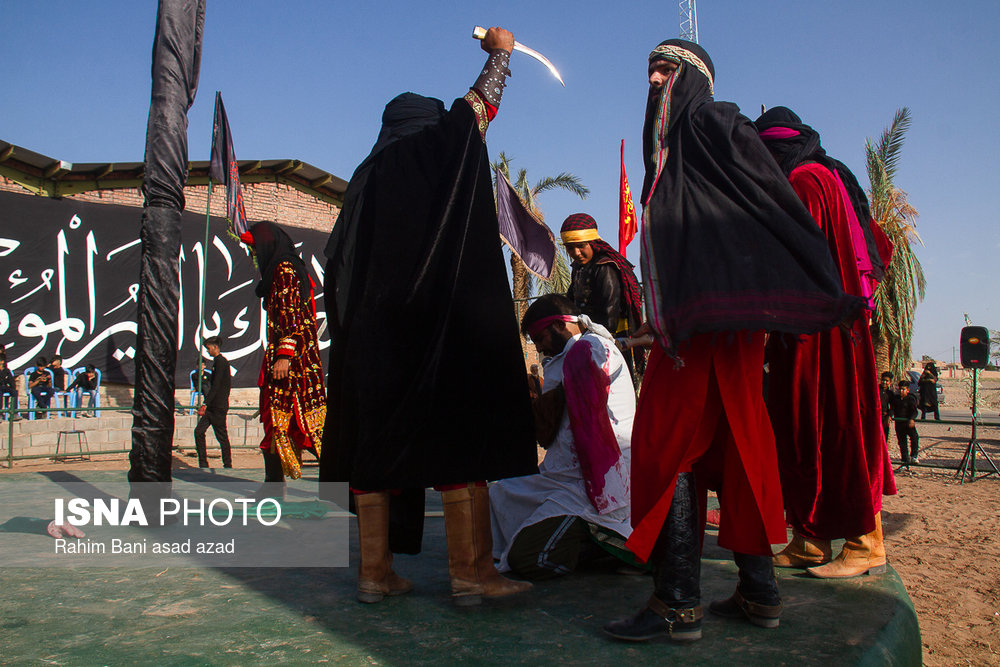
[[806, 147], [712, 190], [426, 382]]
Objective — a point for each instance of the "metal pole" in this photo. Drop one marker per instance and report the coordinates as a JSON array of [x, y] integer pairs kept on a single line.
[[204, 288], [975, 417], [10, 432]]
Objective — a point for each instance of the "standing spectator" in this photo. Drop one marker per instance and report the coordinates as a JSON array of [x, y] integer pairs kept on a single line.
[[8, 390], [86, 383], [886, 397], [904, 409], [216, 407], [928, 391], [534, 382], [40, 386]]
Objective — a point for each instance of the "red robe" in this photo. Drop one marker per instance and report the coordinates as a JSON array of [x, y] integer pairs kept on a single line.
[[824, 399], [292, 409], [707, 416]]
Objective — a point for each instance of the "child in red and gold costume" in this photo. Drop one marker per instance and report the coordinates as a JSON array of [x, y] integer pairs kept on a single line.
[[292, 394]]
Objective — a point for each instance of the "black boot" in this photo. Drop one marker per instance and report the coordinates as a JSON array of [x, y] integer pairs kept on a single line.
[[674, 610], [274, 478], [756, 596]]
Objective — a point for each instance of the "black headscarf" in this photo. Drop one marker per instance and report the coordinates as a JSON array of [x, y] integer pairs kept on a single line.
[[790, 152], [273, 246], [726, 243], [404, 115]]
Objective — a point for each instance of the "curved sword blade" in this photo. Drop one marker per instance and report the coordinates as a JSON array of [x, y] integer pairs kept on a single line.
[[479, 32], [527, 50]]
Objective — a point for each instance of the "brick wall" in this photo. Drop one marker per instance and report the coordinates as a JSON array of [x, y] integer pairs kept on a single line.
[[264, 201]]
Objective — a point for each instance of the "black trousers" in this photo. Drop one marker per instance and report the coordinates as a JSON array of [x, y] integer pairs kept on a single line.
[[217, 419], [904, 431]]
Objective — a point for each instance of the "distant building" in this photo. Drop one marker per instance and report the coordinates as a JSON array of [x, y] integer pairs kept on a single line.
[[69, 253]]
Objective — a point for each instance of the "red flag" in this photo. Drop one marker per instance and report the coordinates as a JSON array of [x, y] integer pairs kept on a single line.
[[224, 169], [628, 225]]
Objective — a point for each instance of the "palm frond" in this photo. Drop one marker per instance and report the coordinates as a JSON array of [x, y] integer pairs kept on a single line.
[[562, 181], [558, 282], [904, 283], [503, 164], [890, 144]]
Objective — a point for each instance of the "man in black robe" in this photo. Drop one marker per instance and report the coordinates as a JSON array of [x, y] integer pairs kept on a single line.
[[426, 382], [602, 284]]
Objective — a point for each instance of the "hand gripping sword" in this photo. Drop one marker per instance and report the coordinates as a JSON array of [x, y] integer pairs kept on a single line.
[[479, 33]]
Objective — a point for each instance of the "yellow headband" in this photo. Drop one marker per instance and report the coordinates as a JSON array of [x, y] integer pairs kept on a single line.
[[580, 235]]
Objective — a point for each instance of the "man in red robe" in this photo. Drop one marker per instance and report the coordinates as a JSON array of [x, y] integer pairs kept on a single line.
[[823, 393], [728, 252]]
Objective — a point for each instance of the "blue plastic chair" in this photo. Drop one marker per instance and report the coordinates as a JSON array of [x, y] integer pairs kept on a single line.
[[4, 400], [193, 379], [78, 393], [31, 397]]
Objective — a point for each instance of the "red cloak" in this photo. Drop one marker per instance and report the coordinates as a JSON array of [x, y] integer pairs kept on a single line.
[[707, 416], [824, 400]]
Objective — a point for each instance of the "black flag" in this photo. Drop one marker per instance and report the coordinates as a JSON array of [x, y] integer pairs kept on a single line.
[[223, 168]]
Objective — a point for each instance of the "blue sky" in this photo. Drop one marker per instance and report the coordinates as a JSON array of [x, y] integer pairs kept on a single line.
[[308, 80]]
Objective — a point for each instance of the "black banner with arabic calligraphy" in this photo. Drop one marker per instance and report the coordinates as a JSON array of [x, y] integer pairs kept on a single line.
[[71, 271]]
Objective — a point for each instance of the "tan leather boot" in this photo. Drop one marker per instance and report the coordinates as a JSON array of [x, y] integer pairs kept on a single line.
[[803, 552], [470, 548], [375, 576], [860, 555]]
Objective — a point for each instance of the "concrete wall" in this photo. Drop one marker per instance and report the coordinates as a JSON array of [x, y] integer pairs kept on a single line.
[[111, 431]]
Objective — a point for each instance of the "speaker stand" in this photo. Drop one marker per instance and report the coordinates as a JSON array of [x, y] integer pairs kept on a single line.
[[968, 464]]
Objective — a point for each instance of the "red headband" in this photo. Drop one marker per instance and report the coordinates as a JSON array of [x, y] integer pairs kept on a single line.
[[778, 133], [539, 326]]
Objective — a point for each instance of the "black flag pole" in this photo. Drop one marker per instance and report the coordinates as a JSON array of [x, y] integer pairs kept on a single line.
[[175, 67], [222, 168], [200, 331]]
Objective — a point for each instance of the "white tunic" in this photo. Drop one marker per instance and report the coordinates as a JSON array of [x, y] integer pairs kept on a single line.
[[559, 488]]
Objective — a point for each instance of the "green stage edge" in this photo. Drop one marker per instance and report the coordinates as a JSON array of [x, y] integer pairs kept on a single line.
[[242, 616]]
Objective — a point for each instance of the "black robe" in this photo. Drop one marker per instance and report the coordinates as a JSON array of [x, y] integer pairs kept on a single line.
[[718, 196], [426, 376]]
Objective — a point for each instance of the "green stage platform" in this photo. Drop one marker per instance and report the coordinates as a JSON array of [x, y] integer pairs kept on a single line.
[[242, 616]]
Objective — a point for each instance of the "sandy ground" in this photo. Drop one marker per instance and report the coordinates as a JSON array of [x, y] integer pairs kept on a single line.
[[942, 536]]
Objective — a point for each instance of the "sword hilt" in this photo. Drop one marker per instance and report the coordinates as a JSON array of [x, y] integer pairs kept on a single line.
[[479, 33]]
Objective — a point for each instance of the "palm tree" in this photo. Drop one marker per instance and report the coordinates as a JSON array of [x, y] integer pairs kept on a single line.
[[523, 283], [904, 284]]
